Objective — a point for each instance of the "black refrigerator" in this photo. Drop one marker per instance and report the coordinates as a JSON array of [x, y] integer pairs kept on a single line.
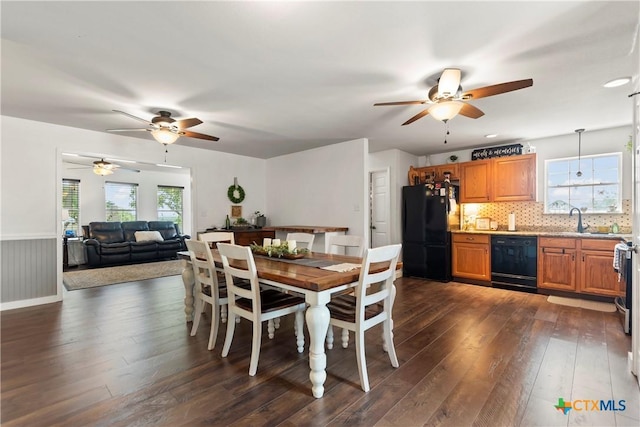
[[429, 212]]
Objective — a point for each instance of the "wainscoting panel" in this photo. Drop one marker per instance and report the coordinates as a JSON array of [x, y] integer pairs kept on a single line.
[[29, 269]]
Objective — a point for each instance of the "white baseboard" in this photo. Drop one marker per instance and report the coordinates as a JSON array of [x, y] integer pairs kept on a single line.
[[29, 302]]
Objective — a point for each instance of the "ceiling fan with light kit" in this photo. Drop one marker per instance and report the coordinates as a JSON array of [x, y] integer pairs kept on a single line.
[[446, 99], [165, 129], [100, 167]]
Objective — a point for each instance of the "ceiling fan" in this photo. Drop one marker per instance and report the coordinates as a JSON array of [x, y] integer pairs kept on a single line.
[[446, 99], [101, 167], [165, 129]]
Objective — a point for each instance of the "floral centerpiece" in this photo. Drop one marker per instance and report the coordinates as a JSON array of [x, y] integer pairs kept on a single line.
[[280, 250]]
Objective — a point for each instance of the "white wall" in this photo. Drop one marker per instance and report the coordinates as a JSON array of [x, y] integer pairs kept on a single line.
[[326, 186], [398, 163]]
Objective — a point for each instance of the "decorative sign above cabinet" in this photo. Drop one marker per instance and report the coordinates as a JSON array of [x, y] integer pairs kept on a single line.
[[488, 153]]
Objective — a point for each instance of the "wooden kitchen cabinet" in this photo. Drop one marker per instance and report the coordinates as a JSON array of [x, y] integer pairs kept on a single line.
[[578, 265], [435, 172], [514, 178], [247, 237], [501, 179], [557, 263], [596, 268], [475, 181], [471, 256]]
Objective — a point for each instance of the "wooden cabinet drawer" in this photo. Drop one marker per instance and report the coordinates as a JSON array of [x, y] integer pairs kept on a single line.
[[599, 244], [556, 242], [471, 238]]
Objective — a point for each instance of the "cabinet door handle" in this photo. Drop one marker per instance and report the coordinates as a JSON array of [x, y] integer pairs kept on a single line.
[[573, 257], [470, 238]]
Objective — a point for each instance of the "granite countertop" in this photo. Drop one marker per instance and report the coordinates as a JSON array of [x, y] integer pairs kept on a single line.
[[586, 235]]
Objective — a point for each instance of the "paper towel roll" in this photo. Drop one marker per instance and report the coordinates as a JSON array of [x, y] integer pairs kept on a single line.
[[512, 222]]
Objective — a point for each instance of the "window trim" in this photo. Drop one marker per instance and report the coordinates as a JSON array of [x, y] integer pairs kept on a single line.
[[616, 154]]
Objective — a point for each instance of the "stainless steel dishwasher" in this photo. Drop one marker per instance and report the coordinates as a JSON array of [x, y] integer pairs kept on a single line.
[[514, 262]]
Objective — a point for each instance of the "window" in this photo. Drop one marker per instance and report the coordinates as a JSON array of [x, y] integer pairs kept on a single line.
[[121, 201], [598, 189], [71, 205], [170, 204]]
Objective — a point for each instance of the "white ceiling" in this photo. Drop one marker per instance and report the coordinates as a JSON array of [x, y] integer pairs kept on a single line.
[[270, 78]]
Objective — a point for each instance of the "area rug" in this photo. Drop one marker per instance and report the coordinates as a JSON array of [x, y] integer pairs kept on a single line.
[[583, 303], [91, 278]]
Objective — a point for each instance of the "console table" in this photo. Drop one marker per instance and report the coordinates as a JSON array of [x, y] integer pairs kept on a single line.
[[248, 236]]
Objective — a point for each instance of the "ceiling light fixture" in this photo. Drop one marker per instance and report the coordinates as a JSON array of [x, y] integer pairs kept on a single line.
[[446, 110], [491, 135], [102, 168], [165, 135], [617, 82]]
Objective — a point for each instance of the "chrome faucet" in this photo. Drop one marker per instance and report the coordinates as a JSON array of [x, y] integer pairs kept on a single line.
[[580, 227]]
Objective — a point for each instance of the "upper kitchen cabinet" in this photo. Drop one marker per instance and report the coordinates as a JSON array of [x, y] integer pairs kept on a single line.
[[475, 181], [435, 173], [514, 178], [501, 179]]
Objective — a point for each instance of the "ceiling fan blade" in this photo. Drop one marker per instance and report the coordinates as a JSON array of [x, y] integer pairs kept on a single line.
[[420, 115], [133, 117], [128, 130], [483, 92], [186, 123], [198, 135], [449, 82], [399, 103], [469, 110]]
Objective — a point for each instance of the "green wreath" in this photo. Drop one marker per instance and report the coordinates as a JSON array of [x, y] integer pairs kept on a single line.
[[231, 194]]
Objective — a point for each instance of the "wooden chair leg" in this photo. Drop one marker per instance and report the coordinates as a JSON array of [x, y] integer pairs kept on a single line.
[[231, 327], [362, 361], [345, 338], [255, 346], [197, 312], [270, 328], [299, 327], [391, 349], [215, 323], [330, 337]]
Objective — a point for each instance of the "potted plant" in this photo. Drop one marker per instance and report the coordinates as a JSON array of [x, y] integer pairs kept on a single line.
[[261, 220], [453, 158]]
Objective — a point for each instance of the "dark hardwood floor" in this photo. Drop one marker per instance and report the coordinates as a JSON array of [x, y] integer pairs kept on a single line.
[[121, 355]]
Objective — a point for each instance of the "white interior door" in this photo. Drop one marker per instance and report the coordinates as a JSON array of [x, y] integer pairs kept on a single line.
[[380, 208]]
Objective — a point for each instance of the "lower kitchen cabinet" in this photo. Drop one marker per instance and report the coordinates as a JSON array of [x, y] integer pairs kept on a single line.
[[471, 256], [578, 265]]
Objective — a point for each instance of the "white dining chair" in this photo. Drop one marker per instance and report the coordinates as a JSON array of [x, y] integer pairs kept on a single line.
[[306, 238], [348, 244], [253, 303], [207, 289], [370, 306], [214, 237]]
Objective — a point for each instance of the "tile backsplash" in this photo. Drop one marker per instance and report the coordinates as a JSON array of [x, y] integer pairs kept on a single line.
[[530, 217]]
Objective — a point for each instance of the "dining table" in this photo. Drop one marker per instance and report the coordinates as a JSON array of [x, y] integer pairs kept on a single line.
[[317, 276]]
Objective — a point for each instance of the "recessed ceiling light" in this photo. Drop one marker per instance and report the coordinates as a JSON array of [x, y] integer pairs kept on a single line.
[[617, 82], [491, 135]]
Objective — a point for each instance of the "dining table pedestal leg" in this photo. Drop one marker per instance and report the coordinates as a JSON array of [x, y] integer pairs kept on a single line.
[[317, 317], [189, 281]]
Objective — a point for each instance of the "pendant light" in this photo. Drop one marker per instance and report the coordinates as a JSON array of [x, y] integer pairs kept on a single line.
[[579, 131]]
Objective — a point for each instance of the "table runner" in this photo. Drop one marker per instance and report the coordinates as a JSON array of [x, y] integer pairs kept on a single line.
[[309, 262]]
